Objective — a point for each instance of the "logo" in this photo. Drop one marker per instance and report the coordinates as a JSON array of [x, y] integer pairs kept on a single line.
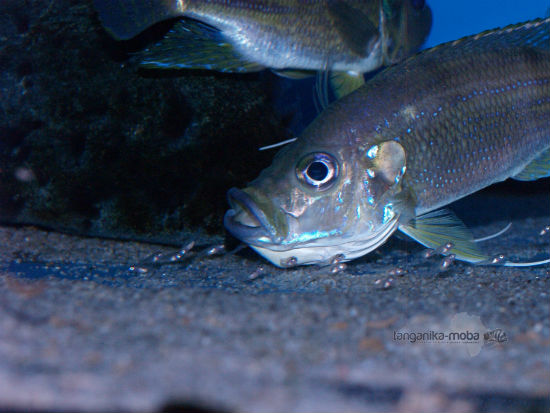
[[466, 332], [496, 336]]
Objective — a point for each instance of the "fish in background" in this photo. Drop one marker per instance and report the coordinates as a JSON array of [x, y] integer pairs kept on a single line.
[[349, 37], [391, 155]]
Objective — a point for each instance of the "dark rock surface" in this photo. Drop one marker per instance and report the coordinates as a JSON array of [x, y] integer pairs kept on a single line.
[[80, 330], [91, 144]]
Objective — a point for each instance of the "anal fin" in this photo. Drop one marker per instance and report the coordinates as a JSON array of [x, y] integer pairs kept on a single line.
[[440, 227], [194, 45], [537, 168], [294, 74]]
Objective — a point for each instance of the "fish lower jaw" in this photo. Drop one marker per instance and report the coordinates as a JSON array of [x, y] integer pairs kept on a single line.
[[301, 256], [346, 250]]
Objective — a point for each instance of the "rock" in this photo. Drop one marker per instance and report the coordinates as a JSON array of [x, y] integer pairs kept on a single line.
[[93, 145]]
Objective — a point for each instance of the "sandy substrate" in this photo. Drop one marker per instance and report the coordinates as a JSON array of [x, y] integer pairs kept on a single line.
[[94, 325]]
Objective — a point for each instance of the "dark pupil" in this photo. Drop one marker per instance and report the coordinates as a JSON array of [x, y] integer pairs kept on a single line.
[[317, 171], [418, 4]]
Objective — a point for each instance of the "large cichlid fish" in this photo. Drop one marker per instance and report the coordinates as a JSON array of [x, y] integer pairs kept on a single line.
[[421, 134], [249, 35]]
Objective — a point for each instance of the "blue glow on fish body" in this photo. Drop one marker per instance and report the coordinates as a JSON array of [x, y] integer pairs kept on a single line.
[[308, 236], [292, 36], [419, 135]]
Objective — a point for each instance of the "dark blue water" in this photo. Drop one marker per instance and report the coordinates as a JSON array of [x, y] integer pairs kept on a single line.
[[454, 19]]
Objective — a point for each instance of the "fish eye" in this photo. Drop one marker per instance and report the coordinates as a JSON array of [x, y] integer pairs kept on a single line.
[[418, 4], [318, 170]]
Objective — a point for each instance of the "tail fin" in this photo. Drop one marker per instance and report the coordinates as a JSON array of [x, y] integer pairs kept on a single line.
[[125, 19]]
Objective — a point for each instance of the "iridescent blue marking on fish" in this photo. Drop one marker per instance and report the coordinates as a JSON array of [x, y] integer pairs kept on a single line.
[[308, 236], [388, 213], [371, 153]]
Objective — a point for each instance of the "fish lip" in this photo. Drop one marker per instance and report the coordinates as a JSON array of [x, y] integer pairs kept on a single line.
[[240, 200]]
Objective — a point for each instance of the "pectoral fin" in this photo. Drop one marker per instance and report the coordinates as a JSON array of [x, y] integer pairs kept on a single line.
[[343, 83], [354, 26], [440, 227], [538, 168], [194, 45]]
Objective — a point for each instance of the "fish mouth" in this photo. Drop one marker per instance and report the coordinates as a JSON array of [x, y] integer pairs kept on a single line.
[[247, 221]]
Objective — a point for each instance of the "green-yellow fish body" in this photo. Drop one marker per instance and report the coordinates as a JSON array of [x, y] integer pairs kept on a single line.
[[240, 35], [418, 136]]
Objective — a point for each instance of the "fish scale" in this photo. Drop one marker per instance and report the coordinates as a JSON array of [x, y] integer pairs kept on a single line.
[[485, 146], [293, 35], [418, 136], [476, 113]]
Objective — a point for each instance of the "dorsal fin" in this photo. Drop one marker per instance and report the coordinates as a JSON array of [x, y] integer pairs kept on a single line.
[[125, 19], [534, 33]]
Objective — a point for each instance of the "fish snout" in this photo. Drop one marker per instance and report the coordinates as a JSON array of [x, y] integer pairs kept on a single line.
[[253, 221]]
